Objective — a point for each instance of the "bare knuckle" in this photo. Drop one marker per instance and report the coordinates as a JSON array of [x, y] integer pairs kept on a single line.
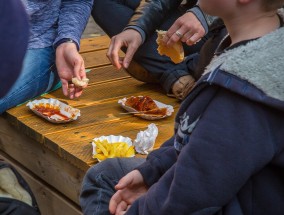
[[77, 61]]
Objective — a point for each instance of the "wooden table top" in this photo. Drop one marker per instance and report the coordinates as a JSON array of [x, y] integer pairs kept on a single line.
[[100, 112]]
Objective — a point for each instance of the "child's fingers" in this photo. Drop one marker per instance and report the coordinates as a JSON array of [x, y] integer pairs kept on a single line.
[[114, 201]]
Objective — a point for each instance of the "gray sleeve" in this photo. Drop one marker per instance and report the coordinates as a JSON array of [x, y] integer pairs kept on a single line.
[[206, 20]]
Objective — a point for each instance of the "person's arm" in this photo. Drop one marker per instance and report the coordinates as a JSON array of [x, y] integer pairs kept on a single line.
[[205, 19], [189, 28], [14, 35], [145, 20], [230, 143], [150, 14], [141, 24], [157, 163], [133, 185], [72, 20]]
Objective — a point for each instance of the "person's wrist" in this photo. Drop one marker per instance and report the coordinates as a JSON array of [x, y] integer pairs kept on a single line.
[[65, 40], [139, 30]]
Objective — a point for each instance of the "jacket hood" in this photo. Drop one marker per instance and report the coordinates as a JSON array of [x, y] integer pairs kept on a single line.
[[264, 63]]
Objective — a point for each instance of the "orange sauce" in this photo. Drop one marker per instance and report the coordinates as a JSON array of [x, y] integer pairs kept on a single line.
[[49, 111]]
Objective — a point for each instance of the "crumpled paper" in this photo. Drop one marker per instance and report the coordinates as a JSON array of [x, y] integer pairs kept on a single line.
[[145, 140]]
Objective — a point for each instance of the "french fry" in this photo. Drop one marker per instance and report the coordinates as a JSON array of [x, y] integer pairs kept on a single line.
[[100, 156], [101, 146], [130, 151], [104, 150]]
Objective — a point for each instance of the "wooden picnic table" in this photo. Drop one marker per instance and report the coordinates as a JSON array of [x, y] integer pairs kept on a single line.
[[54, 158]]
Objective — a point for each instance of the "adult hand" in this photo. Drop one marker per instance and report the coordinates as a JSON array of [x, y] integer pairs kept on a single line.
[[186, 28], [70, 64], [129, 38], [129, 188]]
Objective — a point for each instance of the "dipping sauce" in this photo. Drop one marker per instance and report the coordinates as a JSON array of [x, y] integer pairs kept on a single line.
[[49, 111]]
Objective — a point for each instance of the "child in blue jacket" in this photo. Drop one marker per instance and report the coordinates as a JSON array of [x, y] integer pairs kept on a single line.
[[227, 154]]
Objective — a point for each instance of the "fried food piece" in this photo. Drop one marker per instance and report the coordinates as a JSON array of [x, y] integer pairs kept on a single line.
[[141, 103], [176, 52], [80, 83], [157, 111]]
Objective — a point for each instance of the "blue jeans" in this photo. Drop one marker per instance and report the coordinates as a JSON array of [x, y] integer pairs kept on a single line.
[[162, 70], [99, 181], [36, 78]]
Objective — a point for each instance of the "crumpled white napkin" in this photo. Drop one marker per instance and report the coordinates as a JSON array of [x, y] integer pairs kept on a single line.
[[145, 140]]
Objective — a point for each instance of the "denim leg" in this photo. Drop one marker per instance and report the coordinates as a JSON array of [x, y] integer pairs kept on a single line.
[[160, 67], [36, 78], [99, 181]]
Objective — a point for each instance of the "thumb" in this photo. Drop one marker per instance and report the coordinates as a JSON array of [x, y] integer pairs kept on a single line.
[[83, 71], [124, 182], [129, 55], [77, 69]]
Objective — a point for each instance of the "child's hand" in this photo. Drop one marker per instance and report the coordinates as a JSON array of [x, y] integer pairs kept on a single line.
[[129, 188]]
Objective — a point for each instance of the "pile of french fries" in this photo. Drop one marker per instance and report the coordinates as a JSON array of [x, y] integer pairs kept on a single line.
[[105, 150]]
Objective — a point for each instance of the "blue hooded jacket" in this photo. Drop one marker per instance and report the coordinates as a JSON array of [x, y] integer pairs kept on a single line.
[[227, 154], [14, 34]]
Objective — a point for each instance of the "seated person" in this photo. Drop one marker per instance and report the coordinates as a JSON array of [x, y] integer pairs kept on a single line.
[[55, 30], [13, 46], [227, 154], [134, 31]]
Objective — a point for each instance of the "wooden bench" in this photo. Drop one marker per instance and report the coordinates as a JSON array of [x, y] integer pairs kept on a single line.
[[55, 157]]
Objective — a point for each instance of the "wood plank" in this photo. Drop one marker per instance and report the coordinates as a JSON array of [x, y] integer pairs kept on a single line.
[[95, 59], [93, 44], [97, 111], [57, 172], [97, 75], [102, 92], [106, 74], [81, 132], [76, 144], [92, 125], [49, 201]]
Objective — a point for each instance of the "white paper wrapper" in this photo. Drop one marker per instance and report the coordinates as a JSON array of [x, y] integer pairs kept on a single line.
[[69, 112], [145, 140], [110, 139], [169, 112]]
